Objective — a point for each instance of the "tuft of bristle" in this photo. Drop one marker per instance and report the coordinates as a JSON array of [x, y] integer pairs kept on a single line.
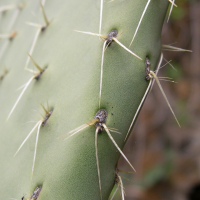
[[109, 38], [147, 71], [47, 115]]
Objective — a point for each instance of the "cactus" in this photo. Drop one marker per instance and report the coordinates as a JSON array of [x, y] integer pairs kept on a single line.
[[78, 80]]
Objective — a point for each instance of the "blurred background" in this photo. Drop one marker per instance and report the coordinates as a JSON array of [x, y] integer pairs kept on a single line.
[[166, 157]]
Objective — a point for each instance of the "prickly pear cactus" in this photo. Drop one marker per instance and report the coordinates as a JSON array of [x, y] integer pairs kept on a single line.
[[70, 83]]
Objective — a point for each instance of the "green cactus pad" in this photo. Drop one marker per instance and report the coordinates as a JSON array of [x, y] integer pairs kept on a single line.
[[66, 169]]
